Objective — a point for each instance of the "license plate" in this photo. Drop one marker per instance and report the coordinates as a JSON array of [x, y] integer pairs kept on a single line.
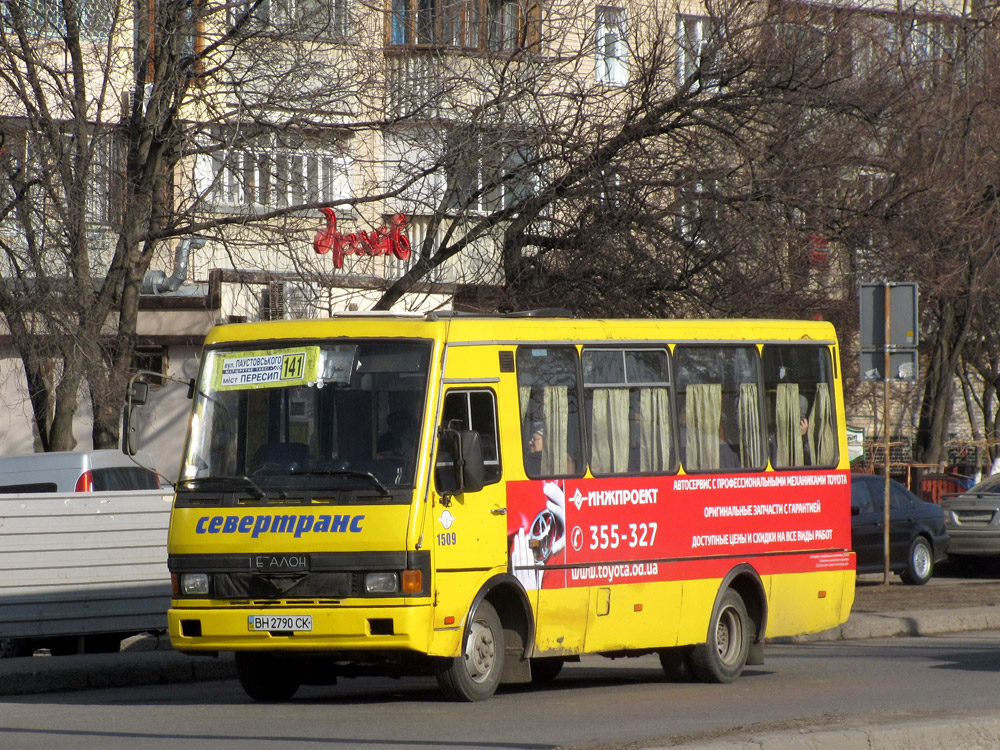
[[286, 623]]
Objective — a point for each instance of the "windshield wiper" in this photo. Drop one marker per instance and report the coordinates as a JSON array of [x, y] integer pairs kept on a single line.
[[205, 483], [352, 473]]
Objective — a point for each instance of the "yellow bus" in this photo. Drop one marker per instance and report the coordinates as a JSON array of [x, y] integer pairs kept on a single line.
[[484, 498]]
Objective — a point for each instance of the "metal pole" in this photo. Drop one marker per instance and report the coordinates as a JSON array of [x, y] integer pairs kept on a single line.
[[885, 438]]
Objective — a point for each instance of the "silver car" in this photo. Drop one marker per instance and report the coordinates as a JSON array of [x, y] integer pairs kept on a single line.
[[973, 519]]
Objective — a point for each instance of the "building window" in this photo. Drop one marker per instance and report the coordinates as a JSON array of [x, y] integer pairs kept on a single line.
[[514, 25], [497, 25], [310, 18], [95, 18], [151, 364], [695, 52], [273, 175], [486, 174], [698, 210], [611, 55], [29, 187]]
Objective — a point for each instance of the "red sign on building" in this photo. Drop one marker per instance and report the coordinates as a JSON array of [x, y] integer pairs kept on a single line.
[[383, 241]]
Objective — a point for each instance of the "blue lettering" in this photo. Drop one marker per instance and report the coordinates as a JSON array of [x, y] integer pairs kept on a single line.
[[340, 523], [261, 525], [303, 525], [282, 524], [297, 525]]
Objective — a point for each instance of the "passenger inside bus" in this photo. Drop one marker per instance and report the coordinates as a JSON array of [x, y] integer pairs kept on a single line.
[[399, 441], [533, 454], [804, 429]]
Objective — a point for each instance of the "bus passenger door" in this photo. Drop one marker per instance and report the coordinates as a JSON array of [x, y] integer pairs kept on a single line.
[[470, 527]]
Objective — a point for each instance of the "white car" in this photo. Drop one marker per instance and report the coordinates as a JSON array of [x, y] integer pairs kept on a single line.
[[69, 471]]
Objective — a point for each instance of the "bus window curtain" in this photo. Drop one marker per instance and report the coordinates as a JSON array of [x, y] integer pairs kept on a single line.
[[654, 429], [703, 416], [787, 418], [555, 450], [751, 445], [822, 433], [524, 394], [609, 417]]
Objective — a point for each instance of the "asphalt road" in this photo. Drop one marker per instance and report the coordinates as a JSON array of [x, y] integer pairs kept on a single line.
[[826, 685]]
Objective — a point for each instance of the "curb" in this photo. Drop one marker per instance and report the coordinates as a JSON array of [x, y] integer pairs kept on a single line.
[[31, 675], [968, 733], [861, 625]]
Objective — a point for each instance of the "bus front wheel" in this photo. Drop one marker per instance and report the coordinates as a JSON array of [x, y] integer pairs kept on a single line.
[[723, 656], [475, 674], [264, 677]]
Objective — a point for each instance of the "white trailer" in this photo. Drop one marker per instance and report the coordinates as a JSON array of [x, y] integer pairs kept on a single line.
[[81, 571]]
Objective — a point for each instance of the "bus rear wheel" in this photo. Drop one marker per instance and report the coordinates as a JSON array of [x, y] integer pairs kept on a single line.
[[264, 677], [475, 675], [722, 657]]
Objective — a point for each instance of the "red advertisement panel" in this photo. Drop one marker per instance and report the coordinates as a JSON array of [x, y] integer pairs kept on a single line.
[[573, 532]]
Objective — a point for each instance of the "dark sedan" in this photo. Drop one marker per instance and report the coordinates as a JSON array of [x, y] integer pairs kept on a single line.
[[917, 535], [973, 519]]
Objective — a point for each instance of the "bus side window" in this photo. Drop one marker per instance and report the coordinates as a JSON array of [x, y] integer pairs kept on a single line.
[[549, 396], [720, 408], [801, 422], [627, 405], [476, 410]]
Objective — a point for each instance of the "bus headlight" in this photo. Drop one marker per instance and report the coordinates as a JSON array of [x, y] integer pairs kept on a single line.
[[381, 583], [194, 584]]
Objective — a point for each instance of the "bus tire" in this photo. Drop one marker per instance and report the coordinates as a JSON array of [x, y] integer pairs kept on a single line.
[[919, 563], [475, 674], [545, 669], [722, 657], [264, 677]]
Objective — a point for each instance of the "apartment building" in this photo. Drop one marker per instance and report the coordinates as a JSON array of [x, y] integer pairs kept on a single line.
[[333, 155]]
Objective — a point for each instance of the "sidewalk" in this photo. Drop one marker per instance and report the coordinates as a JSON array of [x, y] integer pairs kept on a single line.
[[148, 660]]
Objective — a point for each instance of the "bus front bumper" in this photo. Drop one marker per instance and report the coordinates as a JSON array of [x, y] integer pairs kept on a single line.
[[340, 628]]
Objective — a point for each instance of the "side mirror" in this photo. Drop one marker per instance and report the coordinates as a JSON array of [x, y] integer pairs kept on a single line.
[[138, 393], [459, 465]]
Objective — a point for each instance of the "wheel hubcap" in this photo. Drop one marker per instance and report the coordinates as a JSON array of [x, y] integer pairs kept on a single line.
[[921, 561], [729, 636], [480, 652]]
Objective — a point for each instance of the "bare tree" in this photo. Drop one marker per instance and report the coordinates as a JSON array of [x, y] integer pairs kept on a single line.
[[121, 131]]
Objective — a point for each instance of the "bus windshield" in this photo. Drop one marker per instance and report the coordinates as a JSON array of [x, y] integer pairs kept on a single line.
[[309, 415]]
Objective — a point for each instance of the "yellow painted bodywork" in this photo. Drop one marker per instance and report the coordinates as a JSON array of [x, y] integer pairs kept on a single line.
[[601, 617]]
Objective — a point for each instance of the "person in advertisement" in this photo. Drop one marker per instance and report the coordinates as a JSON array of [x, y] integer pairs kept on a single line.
[[540, 539]]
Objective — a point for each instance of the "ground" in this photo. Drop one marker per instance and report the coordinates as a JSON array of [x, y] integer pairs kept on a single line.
[[972, 584]]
